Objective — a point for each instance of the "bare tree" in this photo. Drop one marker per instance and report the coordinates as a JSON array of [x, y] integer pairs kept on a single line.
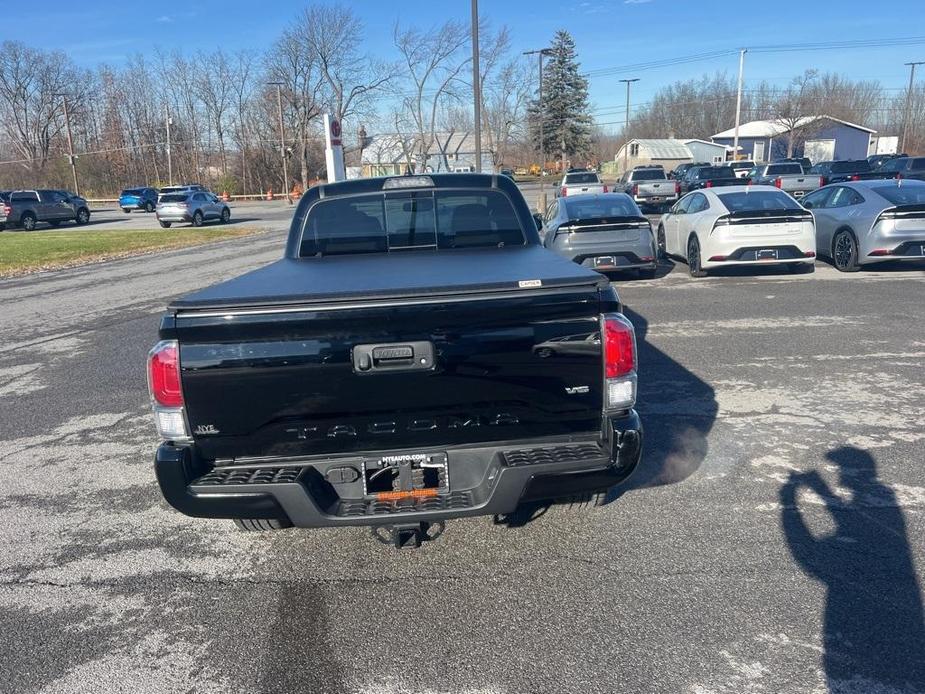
[[215, 85], [351, 79], [292, 62], [795, 111], [433, 62], [506, 92], [30, 105]]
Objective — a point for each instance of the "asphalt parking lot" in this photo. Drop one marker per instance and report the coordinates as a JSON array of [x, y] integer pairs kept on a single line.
[[770, 543]]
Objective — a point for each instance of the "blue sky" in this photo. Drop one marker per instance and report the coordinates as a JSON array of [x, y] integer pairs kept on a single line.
[[607, 32]]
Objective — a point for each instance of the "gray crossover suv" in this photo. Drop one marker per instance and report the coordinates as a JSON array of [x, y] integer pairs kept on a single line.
[[194, 208], [605, 232]]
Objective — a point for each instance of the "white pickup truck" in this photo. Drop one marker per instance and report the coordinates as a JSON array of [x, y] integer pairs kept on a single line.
[[580, 183], [649, 187], [788, 176]]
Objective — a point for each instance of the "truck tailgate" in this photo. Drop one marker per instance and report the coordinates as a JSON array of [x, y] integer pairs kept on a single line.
[[269, 375]]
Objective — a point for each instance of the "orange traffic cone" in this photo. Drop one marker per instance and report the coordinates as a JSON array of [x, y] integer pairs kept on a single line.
[[226, 197], [270, 195]]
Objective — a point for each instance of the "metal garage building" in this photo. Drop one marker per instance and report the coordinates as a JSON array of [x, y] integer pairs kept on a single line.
[[667, 152], [818, 137]]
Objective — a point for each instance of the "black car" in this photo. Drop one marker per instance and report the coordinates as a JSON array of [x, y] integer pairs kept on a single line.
[[710, 177], [878, 160], [391, 371], [842, 171], [903, 167], [678, 172]]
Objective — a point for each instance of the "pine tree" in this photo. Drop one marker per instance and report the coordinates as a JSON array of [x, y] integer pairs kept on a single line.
[[564, 111]]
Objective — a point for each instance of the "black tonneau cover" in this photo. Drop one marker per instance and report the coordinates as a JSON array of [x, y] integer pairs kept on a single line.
[[393, 276]]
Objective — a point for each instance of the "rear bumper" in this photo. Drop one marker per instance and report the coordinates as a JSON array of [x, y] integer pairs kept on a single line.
[[297, 490], [656, 200], [174, 217], [906, 246]]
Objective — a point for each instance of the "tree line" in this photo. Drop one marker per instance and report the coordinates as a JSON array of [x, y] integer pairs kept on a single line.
[[223, 107]]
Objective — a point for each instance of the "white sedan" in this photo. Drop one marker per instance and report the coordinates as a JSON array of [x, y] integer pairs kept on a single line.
[[735, 225]]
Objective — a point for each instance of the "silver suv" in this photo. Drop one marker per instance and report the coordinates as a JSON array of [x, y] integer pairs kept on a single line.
[[192, 207]]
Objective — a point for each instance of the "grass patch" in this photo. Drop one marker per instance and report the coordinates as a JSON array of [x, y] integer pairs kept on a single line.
[[23, 252]]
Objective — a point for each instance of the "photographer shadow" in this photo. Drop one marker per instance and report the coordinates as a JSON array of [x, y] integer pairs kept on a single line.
[[874, 633]]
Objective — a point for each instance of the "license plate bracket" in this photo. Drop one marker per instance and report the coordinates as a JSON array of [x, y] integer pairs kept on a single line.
[[398, 475], [766, 254]]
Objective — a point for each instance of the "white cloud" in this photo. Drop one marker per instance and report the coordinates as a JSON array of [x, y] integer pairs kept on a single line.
[[167, 19], [635, 2]]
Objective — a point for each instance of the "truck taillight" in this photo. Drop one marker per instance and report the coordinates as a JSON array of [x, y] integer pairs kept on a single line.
[[605, 188], [823, 181], [854, 177], [619, 362], [563, 191], [166, 393], [677, 187], [635, 189], [778, 182], [709, 184], [7, 210]]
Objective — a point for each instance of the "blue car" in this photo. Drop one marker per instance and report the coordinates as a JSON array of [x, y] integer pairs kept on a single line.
[[138, 199]]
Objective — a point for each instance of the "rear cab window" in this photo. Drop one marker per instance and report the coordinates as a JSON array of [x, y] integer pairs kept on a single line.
[[579, 178], [850, 166], [784, 169], [413, 220], [648, 175], [716, 172]]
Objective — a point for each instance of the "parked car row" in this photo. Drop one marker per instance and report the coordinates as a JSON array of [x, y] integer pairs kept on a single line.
[[852, 223]]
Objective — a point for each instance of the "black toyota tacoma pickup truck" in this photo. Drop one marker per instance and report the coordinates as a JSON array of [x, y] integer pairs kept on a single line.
[[411, 359]]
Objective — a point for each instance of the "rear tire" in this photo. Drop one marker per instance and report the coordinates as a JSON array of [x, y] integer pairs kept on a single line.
[[249, 525], [226, 215], [660, 240], [845, 252], [164, 225], [27, 222], [197, 219], [126, 210], [693, 258], [83, 216], [149, 206]]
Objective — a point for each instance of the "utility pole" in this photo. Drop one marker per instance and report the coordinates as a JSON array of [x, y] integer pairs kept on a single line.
[[735, 139], [282, 141], [908, 114], [626, 125], [70, 144], [476, 88], [542, 112], [169, 160]]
